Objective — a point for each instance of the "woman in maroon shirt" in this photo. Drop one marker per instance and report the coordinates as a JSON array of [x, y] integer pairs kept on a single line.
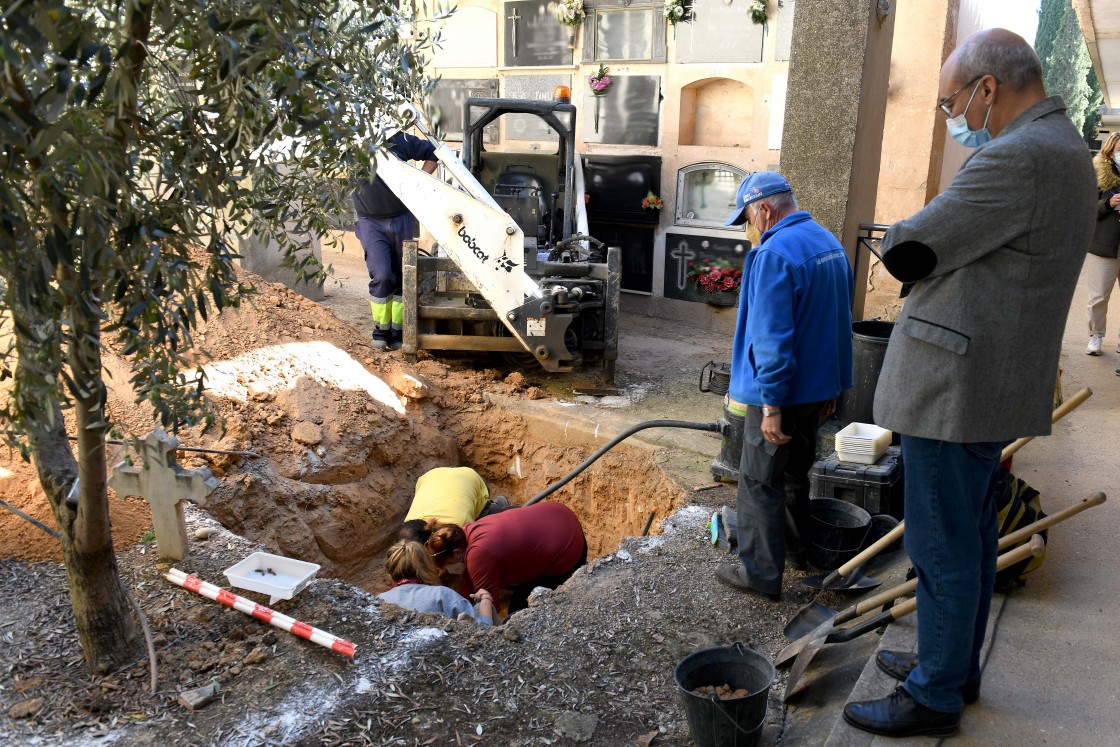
[[538, 545]]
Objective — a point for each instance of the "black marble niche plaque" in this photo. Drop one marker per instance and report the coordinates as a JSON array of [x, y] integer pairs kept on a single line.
[[626, 115], [532, 37], [445, 105], [680, 249]]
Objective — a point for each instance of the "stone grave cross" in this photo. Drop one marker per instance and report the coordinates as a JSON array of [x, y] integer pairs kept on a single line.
[[164, 483]]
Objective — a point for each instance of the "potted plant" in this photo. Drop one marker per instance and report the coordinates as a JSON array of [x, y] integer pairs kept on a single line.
[[717, 279]]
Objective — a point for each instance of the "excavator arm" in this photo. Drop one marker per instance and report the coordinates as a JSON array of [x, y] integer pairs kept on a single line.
[[487, 246]]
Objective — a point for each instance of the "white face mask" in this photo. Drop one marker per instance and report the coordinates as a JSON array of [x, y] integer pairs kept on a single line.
[[1116, 158], [455, 568]]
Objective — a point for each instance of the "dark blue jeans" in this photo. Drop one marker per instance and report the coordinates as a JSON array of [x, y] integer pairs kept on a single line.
[[951, 537]]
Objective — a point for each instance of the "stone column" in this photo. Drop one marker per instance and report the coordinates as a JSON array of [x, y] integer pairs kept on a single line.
[[835, 103], [914, 133]]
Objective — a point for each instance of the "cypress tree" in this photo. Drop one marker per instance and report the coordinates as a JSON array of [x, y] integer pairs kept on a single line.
[[1067, 69]]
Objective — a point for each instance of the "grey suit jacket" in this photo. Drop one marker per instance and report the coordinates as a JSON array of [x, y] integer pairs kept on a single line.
[[994, 260]]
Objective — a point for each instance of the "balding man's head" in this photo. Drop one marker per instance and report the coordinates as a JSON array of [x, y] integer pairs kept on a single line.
[[999, 53]]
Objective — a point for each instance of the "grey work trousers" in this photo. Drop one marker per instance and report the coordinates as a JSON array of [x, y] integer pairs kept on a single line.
[[773, 495]]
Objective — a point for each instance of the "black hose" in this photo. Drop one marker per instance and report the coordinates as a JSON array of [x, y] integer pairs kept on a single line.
[[713, 427]]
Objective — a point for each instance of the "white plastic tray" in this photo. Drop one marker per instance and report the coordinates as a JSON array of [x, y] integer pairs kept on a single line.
[[862, 443], [275, 575]]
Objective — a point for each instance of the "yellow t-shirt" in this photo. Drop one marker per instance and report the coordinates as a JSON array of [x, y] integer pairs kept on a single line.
[[451, 495]]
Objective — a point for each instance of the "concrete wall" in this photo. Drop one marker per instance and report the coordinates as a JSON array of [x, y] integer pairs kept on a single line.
[[914, 135]]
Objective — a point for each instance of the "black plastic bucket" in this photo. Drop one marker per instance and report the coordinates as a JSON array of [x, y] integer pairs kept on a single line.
[[837, 531], [726, 465], [719, 377], [881, 525], [736, 722], [869, 348]]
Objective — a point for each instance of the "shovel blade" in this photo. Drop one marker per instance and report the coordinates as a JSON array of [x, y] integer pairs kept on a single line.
[[857, 580], [817, 637], [807, 619], [801, 663]]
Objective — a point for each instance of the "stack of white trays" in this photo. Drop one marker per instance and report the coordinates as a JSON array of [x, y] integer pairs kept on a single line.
[[862, 443]]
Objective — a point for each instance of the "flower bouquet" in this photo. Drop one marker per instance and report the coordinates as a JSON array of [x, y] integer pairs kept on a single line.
[[570, 12], [675, 11], [715, 275], [600, 81], [758, 11], [652, 202]]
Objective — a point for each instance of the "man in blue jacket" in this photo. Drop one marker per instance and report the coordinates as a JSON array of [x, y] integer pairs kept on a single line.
[[384, 224], [791, 358]]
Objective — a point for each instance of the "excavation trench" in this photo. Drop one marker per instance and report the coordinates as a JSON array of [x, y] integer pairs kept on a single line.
[[343, 510]]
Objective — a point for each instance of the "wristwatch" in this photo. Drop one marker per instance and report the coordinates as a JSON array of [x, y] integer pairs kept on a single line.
[[768, 411]]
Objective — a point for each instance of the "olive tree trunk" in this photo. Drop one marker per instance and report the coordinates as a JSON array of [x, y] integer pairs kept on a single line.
[[109, 635]]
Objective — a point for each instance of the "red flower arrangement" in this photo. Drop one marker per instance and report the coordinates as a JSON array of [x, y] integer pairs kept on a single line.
[[652, 202], [715, 275]]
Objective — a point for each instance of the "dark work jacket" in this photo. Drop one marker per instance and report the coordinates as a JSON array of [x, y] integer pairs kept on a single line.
[[1106, 237], [376, 200]]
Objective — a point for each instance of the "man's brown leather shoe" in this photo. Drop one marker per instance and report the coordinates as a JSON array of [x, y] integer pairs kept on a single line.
[[899, 715], [899, 664]]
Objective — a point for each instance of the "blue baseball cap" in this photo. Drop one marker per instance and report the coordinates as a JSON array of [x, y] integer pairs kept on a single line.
[[756, 186]]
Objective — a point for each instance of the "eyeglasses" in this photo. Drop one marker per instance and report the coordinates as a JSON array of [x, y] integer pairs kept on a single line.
[[945, 104]]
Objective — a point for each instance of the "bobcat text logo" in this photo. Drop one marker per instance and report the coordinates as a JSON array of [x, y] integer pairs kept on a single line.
[[470, 242]]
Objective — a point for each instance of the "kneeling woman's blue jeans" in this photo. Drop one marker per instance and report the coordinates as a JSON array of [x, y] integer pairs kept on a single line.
[[951, 537]]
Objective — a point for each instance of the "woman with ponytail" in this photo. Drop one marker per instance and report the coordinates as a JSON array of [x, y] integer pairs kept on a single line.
[[416, 586]]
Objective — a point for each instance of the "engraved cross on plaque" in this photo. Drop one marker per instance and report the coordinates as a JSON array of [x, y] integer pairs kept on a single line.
[[515, 17], [683, 253]]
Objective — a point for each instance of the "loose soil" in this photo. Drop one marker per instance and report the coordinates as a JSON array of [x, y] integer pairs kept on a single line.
[[339, 436]]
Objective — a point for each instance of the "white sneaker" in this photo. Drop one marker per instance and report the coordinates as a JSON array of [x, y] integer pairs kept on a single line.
[[1094, 346]]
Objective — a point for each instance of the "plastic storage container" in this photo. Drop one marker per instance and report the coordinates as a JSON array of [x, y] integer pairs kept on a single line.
[[275, 575], [862, 443], [876, 488]]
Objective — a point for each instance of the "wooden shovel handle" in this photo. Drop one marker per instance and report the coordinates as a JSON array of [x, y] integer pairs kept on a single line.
[[1064, 409], [1035, 547], [874, 549], [1020, 535]]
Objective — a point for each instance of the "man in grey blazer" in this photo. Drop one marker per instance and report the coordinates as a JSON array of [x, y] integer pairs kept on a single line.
[[992, 264]]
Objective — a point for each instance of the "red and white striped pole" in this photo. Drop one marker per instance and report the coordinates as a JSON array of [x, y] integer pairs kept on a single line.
[[260, 612]]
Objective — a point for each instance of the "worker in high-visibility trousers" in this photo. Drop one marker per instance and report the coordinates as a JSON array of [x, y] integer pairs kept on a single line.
[[384, 224]]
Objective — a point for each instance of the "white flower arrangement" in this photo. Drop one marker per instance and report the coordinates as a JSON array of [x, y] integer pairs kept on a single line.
[[674, 11], [758, 11], [570, 12]]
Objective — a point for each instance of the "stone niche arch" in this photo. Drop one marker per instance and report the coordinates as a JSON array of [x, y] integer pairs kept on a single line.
[[716, 112]]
